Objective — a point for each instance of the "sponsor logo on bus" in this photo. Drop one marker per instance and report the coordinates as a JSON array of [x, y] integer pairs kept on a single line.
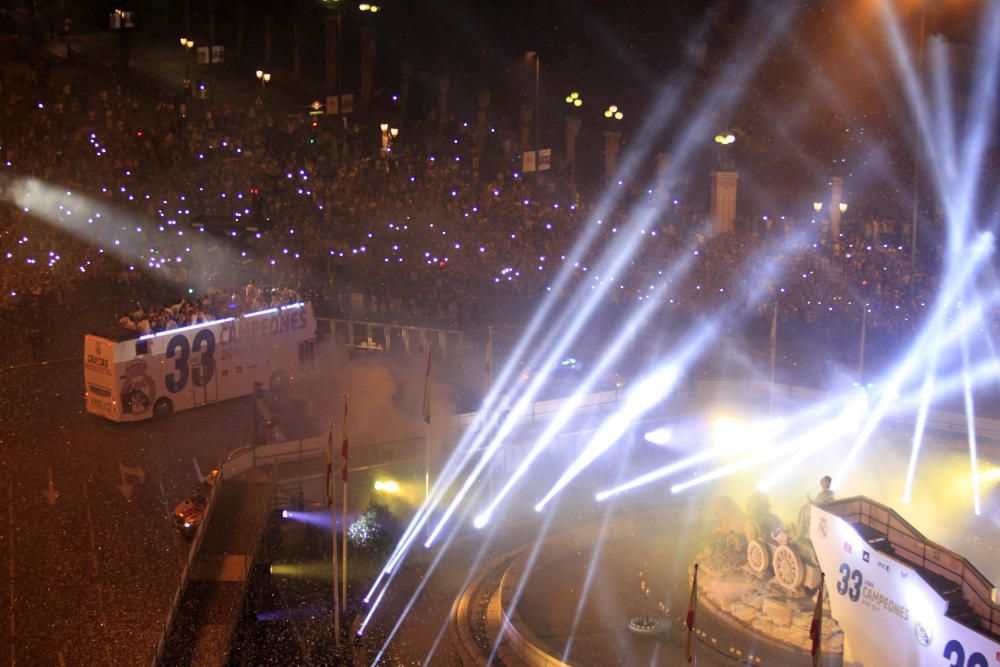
[[97, 364]]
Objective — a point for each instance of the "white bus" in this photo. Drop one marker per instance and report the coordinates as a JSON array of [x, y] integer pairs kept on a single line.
[[129, 377]]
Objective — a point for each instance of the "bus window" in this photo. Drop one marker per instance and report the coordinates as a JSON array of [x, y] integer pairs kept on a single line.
[[141, 347]]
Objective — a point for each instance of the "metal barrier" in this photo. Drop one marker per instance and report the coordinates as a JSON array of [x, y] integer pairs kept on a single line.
[[384, 337]]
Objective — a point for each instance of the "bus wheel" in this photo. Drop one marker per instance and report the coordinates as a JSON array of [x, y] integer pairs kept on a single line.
[[163, 408], [279, 381]]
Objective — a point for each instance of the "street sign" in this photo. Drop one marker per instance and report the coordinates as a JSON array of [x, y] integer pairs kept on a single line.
[[316, 108], [528, 162], [333, 106], [544, 159]]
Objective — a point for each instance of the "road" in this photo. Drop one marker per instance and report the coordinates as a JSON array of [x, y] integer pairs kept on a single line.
[[92, 560]]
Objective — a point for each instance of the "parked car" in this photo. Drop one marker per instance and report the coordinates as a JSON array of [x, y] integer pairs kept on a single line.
[[189, 513]]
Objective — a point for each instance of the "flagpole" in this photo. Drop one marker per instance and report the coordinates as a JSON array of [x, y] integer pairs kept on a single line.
[[690, 620], [861, 346], [343, 521], [487, 385], [343, 546], [816, 627], [427, 420], [331, 486], [774, 353]]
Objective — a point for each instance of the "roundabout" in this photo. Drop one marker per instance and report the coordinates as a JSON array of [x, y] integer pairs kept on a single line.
[[525, 607]]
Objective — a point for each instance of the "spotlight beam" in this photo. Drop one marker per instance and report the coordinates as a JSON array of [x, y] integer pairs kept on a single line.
[[624, 339]]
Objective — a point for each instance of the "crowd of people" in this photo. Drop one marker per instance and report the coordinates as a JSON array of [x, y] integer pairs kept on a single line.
[[212, 306], [127, 186]]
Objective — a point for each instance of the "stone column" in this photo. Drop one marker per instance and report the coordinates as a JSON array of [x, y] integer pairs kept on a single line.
[[572, 131], [331, 44], [662, 173], [367, 65], [297, 51], [482, 118], [526, 143], [443, 85], [723, 201], [836, 197], [612, 144], [268, 27]]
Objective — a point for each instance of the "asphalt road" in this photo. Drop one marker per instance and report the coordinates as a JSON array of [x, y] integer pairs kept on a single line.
[[92, 558]]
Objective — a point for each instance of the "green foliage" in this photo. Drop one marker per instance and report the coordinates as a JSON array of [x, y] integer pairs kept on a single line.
[[376, 530]]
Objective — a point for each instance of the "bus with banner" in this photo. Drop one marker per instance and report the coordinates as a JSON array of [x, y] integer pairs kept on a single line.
[[129, 376], [899, 598]]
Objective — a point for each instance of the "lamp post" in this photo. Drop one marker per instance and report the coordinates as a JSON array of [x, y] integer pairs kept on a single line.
[[612, 140], [188, 44], [916, 156], [264, 78], [388, 135], [572, 130], [817, 206]]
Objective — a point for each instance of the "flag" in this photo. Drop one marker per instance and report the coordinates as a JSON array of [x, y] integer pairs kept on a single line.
[[488, 365], [427, 388], [689, 622], [816, 627], [329, 468], [343, 444]]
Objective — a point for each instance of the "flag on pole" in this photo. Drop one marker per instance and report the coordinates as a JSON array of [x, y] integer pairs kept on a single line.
[[689, 622], [816, 627], [343, 444], [329, 468], [488, 365], [427, 388]]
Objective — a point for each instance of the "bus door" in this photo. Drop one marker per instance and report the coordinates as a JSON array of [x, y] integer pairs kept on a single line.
[[204, 375]]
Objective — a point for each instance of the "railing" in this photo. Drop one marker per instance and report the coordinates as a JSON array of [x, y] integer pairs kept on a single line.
[[383, 336], [910, 546]]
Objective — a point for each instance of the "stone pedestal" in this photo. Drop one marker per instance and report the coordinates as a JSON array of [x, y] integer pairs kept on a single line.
[[526, 111], [482, 118], [572, 131], [612, 144], [662, 173], [367, 65], [836, 197], [723, 204]]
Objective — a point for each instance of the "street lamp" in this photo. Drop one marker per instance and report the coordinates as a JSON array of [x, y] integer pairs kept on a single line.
[[725, 139], [573, 99], [388, 134], [188, 44], [843, 207], [366, 7], [817, 206], [264, 78], [613, 112]]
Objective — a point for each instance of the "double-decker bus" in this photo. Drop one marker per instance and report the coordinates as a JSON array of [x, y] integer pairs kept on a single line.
[[129, 376]]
